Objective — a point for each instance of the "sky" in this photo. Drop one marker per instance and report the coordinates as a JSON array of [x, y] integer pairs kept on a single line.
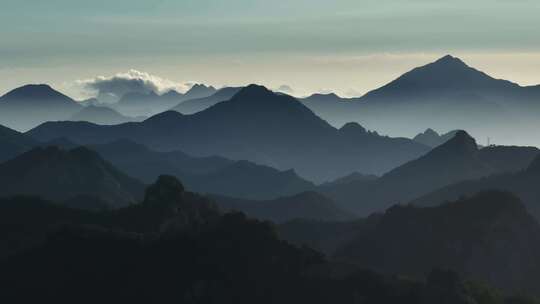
[[344, 46]]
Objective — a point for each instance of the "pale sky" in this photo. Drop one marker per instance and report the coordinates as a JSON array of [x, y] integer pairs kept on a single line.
[[346, 46]]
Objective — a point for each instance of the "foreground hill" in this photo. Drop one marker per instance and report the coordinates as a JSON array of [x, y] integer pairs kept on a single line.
[[28, 106], [68, 175], [456, 160], [13, 143], [306, 205], [260, 126], [177, 247], [213, 175], [489, 236]]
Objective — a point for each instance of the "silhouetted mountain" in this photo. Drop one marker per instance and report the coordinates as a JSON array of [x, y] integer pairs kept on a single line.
[[488, 237], [183, 250], [446, 95], [213, 175], [329, 106], [523, 184], [13, 143], [100, 115], [199, 91], [192, 106], [433, 139], [353, 177], [59, 175], [259, 126], [456, 160], [28, 106], [306, 205]]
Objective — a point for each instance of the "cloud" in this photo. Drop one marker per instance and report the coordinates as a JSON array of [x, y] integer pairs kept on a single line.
[[131, 81], [285, 89]]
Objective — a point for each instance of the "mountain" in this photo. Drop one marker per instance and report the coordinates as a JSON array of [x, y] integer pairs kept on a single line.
[[259, 126], [306, 205], [192, 106], [100, 115], [329, 106], [433, 139], [214, 175], [56, 174], [199, 91], [28, 106], [489, 236], [523, 184], [176, 246], [446, 94], [148, 104], [13, 143], [458, 159]]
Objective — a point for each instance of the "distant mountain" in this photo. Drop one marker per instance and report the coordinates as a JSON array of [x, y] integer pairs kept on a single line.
[[456, 160], [214, 175], [306, 205], [192, 106], [199, 91], [353, 177], [446, 95], [100, 115], [13, 143], [260, 126], [329, 106], [148, 104], [489, 236], [523, 184], [433, 139], [28, 106], [57, 174]]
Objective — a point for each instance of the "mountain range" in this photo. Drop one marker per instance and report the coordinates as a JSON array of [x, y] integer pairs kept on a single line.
[[100, 115], [446, 95], [457, 160], [70, 177], [148, 104], [212, 175], [522, 184], [259, 126], [489, 236]]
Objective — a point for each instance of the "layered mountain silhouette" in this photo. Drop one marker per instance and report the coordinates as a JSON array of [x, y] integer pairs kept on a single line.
[[62, 175], [446, 95], [148, 104], [456, 160], [523, 184], [433, 139], [306, 205], [192, 106], [260, 126], [100, 115], [13, 143], [213, 175], [28, 106], [489, 236]]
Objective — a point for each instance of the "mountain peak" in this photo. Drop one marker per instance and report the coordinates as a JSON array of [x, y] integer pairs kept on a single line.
[[352, 128], [461, 143], [253, 91], [450, 60], [34, 91]]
